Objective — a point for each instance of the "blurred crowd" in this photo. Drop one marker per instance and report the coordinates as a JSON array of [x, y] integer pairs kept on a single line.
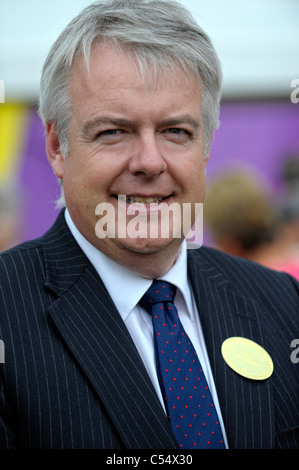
[[10, 215], [246, 218]]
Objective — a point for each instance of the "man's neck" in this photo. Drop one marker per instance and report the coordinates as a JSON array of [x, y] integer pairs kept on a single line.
[[150, 265]]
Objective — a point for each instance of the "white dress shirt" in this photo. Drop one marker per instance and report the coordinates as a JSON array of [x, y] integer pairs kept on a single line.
[[126, 289]]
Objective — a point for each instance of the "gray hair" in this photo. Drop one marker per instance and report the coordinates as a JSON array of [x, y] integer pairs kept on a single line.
[[158, 33]]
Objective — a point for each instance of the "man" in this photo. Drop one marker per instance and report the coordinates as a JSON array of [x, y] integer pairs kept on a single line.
[[130, 98]]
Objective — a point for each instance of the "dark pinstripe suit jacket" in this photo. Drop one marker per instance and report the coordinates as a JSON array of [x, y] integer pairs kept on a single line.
[[72, 377]]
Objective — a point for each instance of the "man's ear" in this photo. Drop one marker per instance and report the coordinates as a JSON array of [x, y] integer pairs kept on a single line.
[[53, 150]]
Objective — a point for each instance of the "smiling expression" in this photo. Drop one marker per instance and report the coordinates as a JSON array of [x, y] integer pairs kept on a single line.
[[127, 139]]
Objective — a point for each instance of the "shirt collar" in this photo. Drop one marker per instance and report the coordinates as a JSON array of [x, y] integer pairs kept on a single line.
[[124, 286]]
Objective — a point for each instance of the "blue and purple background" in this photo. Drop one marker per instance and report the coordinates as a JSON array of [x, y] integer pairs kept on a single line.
[[259, 135]]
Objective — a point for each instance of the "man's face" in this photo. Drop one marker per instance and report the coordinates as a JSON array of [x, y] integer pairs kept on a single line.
[[127, 139]]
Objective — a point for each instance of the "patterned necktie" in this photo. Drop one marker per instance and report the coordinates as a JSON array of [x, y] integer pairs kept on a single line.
[[187, 397]]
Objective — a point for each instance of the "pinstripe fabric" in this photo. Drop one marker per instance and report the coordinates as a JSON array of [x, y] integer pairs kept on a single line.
[[238, 298], [72, 377]]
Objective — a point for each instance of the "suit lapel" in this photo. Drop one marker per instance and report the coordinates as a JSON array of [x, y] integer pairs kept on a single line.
[[95, 333], [246, 405], [102, 347]]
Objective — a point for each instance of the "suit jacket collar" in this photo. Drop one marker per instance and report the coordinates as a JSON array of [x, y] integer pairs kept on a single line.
[[64, 261], [93, 330], [247, 405]]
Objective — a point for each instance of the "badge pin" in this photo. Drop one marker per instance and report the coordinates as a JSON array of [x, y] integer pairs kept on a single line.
[[247, 358]]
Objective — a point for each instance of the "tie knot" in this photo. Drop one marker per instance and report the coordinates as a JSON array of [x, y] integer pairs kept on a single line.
[[159, 291]]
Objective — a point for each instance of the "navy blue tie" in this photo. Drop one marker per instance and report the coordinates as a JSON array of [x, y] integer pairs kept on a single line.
[[188, 401]]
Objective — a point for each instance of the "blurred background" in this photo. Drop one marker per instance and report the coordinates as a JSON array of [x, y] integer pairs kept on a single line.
[[256, 147]]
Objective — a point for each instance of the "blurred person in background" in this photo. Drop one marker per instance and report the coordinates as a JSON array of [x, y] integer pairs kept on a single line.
[[246, 220], [10, 213], [290, 173]]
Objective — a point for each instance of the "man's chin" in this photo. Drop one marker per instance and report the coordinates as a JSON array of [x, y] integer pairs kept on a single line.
[[148, 246]]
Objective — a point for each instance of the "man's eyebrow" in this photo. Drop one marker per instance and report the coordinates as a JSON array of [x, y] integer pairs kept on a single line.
[[91, 125], [98, 121], [179, 120]]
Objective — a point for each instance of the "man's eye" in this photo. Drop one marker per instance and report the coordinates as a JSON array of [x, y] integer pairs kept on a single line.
[[109, 133], [178, 134], [175, 130]]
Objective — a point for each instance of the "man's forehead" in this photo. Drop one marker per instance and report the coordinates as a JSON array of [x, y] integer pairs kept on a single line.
[[106, 60]]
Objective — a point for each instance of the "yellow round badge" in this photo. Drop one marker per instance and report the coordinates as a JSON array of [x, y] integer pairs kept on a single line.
[[247, 358]]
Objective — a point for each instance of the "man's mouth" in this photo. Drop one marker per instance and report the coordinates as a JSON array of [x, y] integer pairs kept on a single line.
[[142, 199]]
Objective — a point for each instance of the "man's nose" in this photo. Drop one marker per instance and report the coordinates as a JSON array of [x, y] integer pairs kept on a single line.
[[147, 159]]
